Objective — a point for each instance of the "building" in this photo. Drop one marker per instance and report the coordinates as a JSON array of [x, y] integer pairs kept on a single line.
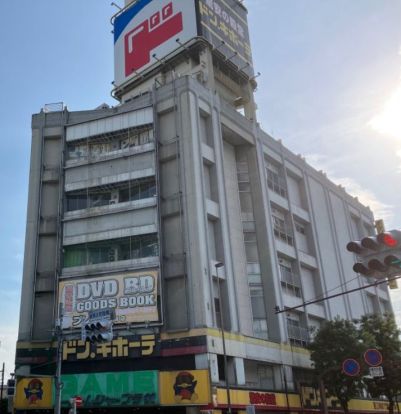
[[178, 212]]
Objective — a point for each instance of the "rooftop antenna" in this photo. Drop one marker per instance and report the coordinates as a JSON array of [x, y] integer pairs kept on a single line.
[[232, 56], [220, 45], [256, 76], [116, 5]]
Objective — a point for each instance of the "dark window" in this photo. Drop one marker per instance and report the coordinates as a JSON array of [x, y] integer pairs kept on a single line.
[[101, 196], [77, 201], [126, 248]]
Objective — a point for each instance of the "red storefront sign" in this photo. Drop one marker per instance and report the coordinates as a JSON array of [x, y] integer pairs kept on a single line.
[[262, 398]]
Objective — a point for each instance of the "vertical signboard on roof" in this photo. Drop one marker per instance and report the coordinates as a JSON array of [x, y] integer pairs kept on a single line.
[[147, 32], [224, 25]]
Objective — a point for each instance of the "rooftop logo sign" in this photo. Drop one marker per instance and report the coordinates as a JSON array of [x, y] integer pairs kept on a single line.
[[147, 32]]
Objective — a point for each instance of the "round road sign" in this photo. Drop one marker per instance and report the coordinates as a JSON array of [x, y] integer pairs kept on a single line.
[[373, 357], [78, 401], [351, 367]]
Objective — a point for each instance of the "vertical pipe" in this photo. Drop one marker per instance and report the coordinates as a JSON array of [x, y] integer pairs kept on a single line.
[[58, 383], [223, 338]]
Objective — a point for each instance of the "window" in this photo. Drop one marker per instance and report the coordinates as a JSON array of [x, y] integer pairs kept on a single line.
[[296, 190], [77, 201], [275, 178], [297, 334], [254, 276], [251, 248], [119, 193], [311, 284], [300, 228], [257, 302], [265, 377], [108, 143], [260, 328], [217, 311], [77, 150], [280, 228], [289, 280], [302, 237], [106, 251]]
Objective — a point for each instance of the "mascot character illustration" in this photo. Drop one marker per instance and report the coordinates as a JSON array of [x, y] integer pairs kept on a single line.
[[34, 391], [184, 387]]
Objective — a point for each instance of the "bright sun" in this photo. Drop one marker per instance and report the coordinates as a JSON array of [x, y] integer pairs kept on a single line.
[[388, 121]]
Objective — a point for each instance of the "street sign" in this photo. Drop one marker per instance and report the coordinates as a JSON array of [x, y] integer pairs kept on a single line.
[[78, 401], [351, 367], [376, 371], [373, 357]]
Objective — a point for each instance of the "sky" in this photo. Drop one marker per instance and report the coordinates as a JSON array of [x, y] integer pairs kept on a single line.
[[330, 88]]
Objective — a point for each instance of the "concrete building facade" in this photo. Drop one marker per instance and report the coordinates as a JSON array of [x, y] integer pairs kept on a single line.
[[179, 182]]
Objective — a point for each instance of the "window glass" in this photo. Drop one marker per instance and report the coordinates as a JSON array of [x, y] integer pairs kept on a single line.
[[111, 250], [260, 328], [98, 196], [75, 256], [77, 201]]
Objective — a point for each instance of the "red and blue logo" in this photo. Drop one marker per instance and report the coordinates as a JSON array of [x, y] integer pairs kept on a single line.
[[145, 37]]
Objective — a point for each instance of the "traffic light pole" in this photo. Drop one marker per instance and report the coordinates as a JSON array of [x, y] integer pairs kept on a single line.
[[310, 302]]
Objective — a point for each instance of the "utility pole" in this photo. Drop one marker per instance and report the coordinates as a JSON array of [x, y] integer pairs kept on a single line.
[[1, 389], [223, 338], [322, 391], [59, 360]]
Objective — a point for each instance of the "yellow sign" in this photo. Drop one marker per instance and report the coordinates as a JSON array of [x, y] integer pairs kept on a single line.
[[33, 393], [185, 387]]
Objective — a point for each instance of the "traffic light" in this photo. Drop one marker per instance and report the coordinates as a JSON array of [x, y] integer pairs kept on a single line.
[[11, 387], [98, 331], [380, 256]]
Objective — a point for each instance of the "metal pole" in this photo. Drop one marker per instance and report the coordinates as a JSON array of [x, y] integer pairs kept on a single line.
[[286, 388], [323, 395], [2, 387], [58, 383], [217, 265]]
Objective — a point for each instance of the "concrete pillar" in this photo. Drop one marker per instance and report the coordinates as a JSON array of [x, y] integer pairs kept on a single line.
[[214, 368], [239, 370]]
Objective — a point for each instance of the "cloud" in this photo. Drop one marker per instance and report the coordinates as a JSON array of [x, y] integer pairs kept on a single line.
[[398, 154], [365, 196], [388, 120]]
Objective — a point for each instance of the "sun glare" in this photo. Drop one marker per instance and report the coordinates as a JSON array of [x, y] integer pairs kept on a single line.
[[388, 121]]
